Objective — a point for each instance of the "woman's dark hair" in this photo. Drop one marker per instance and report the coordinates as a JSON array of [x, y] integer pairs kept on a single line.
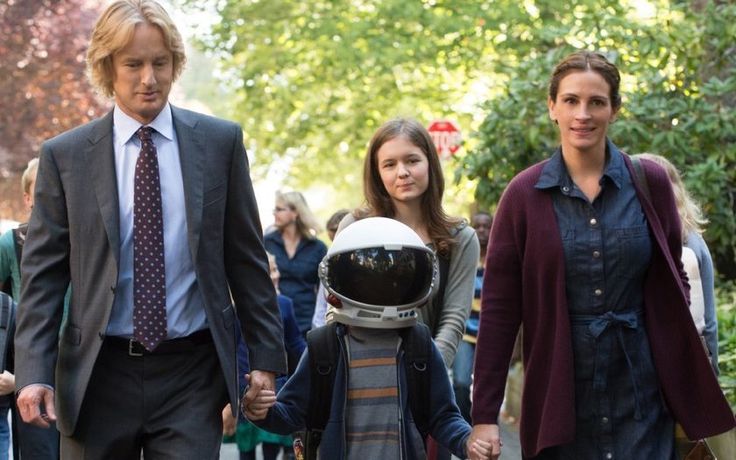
[[378, 201], [581, 61]]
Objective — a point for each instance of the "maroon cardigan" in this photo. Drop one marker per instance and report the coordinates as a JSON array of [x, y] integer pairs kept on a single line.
[[524, 282]]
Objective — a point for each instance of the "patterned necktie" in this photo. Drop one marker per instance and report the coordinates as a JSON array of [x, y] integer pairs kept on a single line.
[[149, 280]]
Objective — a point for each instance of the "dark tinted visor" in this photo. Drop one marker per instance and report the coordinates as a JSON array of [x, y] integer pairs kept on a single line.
[[377, 276]]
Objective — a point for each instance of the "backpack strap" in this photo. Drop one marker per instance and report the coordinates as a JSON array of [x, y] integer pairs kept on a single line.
[[6, 321], [417, 344], [19, 239], [322, 347], [435, 307]]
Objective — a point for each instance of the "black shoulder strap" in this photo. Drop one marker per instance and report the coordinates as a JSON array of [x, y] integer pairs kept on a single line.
[[438, 299], [417, 345], [19, 239], [641, 177], [323, 354], [322, 347], [6, 321]]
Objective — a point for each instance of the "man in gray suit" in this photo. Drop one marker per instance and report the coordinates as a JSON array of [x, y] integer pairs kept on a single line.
[[149, 213]]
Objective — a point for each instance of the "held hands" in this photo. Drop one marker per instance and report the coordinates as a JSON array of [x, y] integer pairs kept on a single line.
[[260, 395], [484, 442], [32, 400]]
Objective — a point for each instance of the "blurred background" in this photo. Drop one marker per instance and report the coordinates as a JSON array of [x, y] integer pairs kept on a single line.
[[309, 81]]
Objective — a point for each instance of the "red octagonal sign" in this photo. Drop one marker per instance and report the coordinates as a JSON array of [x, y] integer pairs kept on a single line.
[[446, 137]]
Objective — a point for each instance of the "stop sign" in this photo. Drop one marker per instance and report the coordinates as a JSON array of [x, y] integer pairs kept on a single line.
[[446, 137]]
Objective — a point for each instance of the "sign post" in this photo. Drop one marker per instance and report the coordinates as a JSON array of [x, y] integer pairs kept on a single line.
[[446, 137]]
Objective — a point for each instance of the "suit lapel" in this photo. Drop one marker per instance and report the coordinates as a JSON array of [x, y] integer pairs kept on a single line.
[[191, 156], [100, 157]]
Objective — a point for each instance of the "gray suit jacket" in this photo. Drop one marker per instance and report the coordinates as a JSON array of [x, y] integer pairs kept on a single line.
[[73, 237]]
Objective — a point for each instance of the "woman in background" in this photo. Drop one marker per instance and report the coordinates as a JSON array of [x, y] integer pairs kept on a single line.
[[298, 252], [695, 258]]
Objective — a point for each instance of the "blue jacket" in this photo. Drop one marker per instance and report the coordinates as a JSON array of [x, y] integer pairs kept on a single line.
[[299, 279], [447, 426]]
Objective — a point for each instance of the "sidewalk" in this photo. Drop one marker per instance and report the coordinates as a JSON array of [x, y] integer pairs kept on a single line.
[[509, 434]]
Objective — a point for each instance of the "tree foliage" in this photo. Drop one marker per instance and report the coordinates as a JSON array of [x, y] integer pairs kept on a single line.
[[314, 79], [44, 90], [679, 87]]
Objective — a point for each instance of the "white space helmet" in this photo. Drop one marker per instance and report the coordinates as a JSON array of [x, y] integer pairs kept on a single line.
[[381, 271]]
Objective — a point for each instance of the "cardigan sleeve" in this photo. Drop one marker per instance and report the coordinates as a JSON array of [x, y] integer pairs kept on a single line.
[[458, 296], [501, 304]]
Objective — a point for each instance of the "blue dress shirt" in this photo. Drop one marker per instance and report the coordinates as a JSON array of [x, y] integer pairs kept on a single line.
[[184, 306]]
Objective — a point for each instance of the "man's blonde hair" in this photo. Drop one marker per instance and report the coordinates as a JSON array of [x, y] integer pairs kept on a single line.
[[115, 29], [29, 175]]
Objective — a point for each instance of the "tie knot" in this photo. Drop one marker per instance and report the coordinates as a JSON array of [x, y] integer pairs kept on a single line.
[[144, 133]]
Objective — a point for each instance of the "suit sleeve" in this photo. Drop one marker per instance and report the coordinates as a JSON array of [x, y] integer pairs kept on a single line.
[[45, 277], [247, 269]]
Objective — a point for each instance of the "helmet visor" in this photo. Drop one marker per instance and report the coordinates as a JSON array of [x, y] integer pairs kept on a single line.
[[379, 276]]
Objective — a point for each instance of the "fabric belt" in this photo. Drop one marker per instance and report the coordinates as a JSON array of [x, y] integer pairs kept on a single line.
[[178, 345], [597, 325]]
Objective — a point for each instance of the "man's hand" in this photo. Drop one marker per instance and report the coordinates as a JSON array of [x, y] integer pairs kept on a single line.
[[258, 409], [484, 442], [32, 401], [228, 421], [7, 383], [258, 381]]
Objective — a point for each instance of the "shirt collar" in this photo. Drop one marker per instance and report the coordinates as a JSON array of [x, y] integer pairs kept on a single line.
[[125, 126], [554, 172]]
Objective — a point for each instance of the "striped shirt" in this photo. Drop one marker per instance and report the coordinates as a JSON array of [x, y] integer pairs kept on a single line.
[[373, 394]]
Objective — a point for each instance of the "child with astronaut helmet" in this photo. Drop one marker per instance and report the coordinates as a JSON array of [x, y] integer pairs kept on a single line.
[[379, 396]]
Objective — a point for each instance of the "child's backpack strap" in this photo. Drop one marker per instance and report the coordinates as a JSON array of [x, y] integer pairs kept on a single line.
[[19, 240], [417, 345], [7, 313], [323, 354], [322, 346]]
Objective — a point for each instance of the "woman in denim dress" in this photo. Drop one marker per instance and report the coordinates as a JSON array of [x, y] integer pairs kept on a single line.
[[573, 256]]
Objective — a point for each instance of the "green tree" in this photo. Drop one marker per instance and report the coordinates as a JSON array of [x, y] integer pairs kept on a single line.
[[44, 90], [679, 82], [312, 80]]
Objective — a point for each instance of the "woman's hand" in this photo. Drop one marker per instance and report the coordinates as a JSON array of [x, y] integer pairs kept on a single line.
[[484, 442]]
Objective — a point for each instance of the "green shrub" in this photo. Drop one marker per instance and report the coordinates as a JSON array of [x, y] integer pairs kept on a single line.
[[726, 310]]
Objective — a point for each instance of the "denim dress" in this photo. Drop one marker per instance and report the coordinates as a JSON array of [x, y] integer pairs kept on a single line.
[[620, 413]]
